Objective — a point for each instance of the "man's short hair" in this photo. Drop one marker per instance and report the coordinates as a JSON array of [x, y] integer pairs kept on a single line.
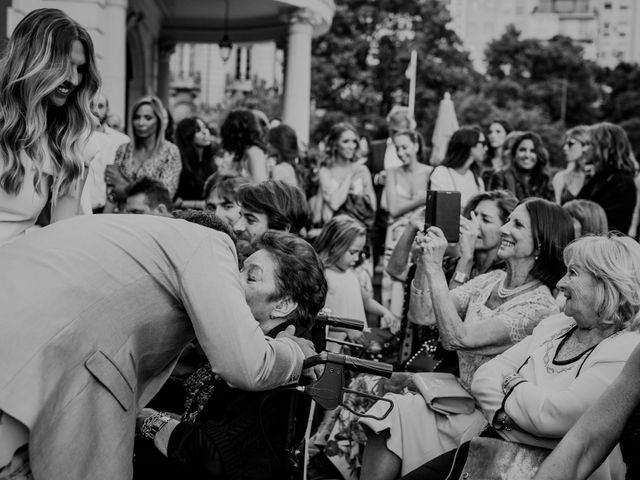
[[299, 274], [284, 205], [227, 185], [155, 192], [206, 219]]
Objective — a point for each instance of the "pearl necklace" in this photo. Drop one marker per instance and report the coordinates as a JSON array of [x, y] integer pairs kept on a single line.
[[504, 292]]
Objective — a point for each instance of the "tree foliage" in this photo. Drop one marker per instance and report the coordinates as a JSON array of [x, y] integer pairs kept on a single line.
[[544, 74], [345, 78]]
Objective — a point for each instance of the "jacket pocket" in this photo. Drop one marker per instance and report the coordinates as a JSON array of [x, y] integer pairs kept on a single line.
[[106, 371]]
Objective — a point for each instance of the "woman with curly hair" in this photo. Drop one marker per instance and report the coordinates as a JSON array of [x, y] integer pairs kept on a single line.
[[148, 155], [527, 176], [47, 79], [242, 140]]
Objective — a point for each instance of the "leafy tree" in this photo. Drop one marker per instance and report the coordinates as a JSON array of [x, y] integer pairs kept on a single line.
[[542, 74], [359, 66]]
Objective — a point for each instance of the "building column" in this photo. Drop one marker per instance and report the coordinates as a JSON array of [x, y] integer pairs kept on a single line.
[[115, 57], [166, 48], [297, 83]]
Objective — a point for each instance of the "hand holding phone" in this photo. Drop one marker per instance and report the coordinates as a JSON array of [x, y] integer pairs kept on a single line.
[[432, 245], [443, 211]]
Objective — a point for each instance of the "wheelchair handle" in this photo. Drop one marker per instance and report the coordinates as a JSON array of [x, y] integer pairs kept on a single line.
[[350, 363], [340, 322]]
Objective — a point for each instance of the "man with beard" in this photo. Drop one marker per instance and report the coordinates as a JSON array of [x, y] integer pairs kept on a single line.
[[269, 205]]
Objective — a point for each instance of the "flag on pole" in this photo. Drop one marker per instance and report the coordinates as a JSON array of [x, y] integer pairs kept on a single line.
[[411, 74]]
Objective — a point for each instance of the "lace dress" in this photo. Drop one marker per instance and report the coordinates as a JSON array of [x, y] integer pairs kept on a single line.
[[411, 434], [165, 166]]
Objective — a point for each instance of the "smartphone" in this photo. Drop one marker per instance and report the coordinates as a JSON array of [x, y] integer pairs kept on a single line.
[[443, 211]]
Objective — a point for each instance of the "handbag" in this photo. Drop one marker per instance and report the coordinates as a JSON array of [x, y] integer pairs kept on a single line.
[[358, 207], [494, 459]]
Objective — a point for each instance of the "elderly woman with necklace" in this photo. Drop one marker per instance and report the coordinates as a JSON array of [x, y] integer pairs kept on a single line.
[[479, 320], [533, 393]]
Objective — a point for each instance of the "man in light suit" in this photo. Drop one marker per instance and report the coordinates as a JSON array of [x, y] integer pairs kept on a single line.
[[95, 311]]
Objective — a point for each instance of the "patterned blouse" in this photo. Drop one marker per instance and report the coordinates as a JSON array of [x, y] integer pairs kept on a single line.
[[520, 314], [165, 166]]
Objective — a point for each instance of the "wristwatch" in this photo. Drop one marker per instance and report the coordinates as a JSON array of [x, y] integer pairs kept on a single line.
[[460, 277], [152, 424], [502, 421]]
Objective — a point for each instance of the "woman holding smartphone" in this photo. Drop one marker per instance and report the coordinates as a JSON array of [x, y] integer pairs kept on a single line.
[[479, 320]]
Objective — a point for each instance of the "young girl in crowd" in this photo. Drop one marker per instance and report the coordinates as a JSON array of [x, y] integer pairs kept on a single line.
[[339, 245]]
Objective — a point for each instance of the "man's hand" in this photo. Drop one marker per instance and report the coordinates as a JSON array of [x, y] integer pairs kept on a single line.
[[307, 349]]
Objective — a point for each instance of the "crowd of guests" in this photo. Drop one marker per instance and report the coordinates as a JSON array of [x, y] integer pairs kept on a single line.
[[534, 311]]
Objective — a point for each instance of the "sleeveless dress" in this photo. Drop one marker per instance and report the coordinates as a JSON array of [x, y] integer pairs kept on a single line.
[[19, 213]]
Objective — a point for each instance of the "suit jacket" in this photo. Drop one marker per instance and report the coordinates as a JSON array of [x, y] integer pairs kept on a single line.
[[95, 312]]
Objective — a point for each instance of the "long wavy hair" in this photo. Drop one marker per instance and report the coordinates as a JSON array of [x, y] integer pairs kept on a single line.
[[240, 131], [161, 115], [36, 62], [610, 148]]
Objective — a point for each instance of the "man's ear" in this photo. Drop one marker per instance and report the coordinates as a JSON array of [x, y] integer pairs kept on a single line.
[[283, 308], [161, 209]]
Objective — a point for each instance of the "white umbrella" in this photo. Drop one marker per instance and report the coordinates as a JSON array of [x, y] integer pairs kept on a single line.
[[446, 124]]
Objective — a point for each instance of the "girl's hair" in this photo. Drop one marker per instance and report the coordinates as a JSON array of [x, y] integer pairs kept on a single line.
[[240, 131], [161, 115], [491, 151], [552, 230], [336, 237], [459, 149], [539, 177], [185, 133], [35, 63], [415, 138], [591, 216], [610, 148], [505, 200], [335, 132]]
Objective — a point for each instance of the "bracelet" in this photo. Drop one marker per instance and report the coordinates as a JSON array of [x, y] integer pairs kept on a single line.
[[414, 289], [506, 382], [152, 424], [460, 277]]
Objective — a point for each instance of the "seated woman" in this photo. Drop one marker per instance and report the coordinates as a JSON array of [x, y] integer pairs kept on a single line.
[[614, 417], [479, 320], [535, 392], [476, 254], [229, 433]]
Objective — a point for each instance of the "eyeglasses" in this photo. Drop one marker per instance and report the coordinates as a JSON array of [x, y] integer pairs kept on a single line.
[[571, 142]]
